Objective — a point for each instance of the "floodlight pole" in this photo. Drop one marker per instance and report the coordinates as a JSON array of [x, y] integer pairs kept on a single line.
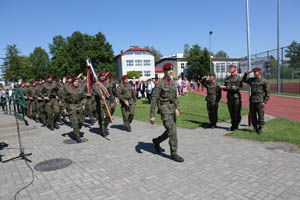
[[249, 56], [278, 46], [210, 68]]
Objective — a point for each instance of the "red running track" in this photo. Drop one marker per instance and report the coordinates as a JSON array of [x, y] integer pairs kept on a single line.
[[277, 106]]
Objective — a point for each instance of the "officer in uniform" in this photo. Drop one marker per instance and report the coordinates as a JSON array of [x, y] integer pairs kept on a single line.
[[214, 94], [260, 94], [103, 116], [41, 102], [233, 83], [49, 93], [127, 101], [165, 96], [75, 99], [27, 95]]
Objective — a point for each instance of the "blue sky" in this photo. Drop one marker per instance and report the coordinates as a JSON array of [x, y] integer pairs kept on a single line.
[[165, 24]]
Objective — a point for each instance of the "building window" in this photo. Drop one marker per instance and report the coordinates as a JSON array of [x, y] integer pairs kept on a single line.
[[147, 73], [146, 62], [222, 67], [218, 68], [182, 65], [129, 62], [138, 53], [138, 62]]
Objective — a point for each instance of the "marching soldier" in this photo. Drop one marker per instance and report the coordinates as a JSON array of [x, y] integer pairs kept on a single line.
[[60, 94], [165, 95], [111, 86], [233, 83], [49, 93], [102, 98], [260, 94], [34, 100], [127, 101], [214, 94], [75, 100], [41, 102]]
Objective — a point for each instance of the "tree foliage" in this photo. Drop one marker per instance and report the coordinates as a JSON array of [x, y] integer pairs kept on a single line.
[[39, 63], [293, 53], [221, 54], [69, 54], [134, 74], [158, 55], [198, 62]]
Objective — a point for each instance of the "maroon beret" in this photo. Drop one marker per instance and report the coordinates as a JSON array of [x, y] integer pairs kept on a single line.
[[230, 66], [257, 69], [124, 77], [212, 74], [68, 77], [40, 79], [167, 66], [33, 81], [48, 76], [101, 74], [74, 79]]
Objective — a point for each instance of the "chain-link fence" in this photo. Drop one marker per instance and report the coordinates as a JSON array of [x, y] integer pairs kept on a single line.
[[289, 63]]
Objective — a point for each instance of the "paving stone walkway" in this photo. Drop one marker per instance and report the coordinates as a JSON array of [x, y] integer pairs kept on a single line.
[[125, 166]]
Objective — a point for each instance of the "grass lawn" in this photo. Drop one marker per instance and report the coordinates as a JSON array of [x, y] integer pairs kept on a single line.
[[275, 130], [193, 112]]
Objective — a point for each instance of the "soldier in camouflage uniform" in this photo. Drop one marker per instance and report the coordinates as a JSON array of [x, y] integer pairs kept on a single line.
[[75, 98], [41, 102], [214, 94], [103, 116], [60, 94], [127, 101], [233, 83], [260, 94], [91, 103], [49, 93], [165, 96], [34, 100], [112, 87], [27, 94]]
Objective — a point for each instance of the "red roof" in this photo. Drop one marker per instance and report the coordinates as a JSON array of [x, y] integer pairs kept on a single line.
[[159, 69], [136, 48]]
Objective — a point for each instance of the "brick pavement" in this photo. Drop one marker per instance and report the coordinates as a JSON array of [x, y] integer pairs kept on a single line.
[[215, 167]]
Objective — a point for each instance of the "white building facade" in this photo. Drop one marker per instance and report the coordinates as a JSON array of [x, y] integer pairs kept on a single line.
[[221, 66], [179, 63], [136, 59]]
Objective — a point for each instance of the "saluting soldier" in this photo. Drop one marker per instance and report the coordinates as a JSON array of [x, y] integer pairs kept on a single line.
[[233, 83], [101, 97], [165, 95], [214, 94], [127, 101], [260, 94], [74, 104], [49, 93]]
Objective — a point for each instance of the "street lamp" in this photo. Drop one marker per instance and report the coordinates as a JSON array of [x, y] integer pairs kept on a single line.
[[210, 69]]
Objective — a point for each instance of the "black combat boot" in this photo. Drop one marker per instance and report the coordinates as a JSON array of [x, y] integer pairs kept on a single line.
[[78, 140], [254, 130], [56, 126], [177, 158], [156, 145], [128, 128], [259, 131]]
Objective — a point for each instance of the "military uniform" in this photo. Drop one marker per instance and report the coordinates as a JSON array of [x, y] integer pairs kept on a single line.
[[103, 117], [51, 106], [34, 101], [27, 94], [41, 104], [125, 93], [165, 96], [260, 94], [213, 97], [74, 101], [234, 102]]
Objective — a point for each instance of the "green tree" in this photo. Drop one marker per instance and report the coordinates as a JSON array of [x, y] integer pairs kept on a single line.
[[39, 63], [293, 53], [221, 54], [12, 65], [158, 55], [198, 62], [186, 52], [135, 74], [69, 55]]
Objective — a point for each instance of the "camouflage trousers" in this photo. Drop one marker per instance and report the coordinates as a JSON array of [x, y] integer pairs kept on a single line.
[[52, 110], [234, 107], [212, 109], [90, 108], [128, 114], [33, 108], [28, 108], [103, 117], [41, 110], [169, 121], [257, 114], [76, 118]]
